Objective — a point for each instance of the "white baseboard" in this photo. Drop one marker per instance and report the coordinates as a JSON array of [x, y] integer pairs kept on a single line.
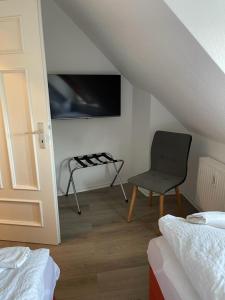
[[143, 191], [90, 188]]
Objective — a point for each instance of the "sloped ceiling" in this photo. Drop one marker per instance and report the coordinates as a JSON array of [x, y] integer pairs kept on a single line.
[[151, 47], [206, 22]]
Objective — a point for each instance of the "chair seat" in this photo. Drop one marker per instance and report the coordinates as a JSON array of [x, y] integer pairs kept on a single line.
[[156, 181]]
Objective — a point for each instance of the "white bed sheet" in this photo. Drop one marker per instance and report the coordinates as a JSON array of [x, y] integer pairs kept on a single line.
[[51, 275], [200, 249], [34, 280], [170, 275]]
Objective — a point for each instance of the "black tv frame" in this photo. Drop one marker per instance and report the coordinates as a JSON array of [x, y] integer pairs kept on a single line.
[[92, 116]]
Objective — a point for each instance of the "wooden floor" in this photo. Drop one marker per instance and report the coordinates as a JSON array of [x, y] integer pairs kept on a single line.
[[101, 255]]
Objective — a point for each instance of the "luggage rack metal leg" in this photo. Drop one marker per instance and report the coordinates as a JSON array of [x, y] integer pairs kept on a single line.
[[73, 185], [117, 172], [120, 181]]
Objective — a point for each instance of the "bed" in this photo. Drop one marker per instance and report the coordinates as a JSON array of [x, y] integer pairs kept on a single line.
[[167, 279], [27, 274], [51, 275], [188, 261]]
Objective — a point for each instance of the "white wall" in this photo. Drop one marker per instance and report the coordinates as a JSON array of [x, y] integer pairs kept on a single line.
[[140, 132], [68, 50], [162, 119]]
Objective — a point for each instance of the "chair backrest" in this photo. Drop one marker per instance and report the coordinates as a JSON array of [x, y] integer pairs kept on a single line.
[[169, 153]]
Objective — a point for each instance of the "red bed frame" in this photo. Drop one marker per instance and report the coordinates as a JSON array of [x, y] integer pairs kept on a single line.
[[155, 292]]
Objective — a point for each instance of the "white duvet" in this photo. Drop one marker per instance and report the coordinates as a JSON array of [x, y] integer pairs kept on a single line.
[[13, 257], [201, 251], [25, 282]]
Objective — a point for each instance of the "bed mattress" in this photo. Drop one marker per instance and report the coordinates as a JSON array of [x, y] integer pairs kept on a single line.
[[169, 273], [51, 274], [35, 279]]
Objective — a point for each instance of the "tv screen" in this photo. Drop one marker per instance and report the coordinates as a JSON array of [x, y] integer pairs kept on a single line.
[[84, 96]]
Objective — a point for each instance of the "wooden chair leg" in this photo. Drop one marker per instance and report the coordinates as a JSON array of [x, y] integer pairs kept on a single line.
[[178, 199], [150, 198], [161, 205], [132, 203]]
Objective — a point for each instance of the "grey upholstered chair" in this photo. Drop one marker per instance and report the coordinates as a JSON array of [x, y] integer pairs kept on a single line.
[[169, 157]]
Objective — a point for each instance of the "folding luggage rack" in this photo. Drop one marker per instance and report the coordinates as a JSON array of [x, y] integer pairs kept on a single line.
[[91, 160]]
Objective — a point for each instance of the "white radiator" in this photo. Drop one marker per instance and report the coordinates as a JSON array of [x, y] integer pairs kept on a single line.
[[211, 185]]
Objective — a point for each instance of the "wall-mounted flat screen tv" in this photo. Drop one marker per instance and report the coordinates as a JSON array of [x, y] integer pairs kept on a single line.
[[84, 96]]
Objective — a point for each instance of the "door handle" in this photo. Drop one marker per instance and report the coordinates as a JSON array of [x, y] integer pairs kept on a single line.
[[40, 132], [33, 132]]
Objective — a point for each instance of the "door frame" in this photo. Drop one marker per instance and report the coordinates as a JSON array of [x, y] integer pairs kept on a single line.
[[51, 144]]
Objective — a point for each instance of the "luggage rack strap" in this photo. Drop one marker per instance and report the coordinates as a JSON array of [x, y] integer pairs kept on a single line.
[[96, 159]]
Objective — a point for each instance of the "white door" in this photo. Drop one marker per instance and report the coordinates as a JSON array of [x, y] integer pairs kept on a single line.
[[28, 200]]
